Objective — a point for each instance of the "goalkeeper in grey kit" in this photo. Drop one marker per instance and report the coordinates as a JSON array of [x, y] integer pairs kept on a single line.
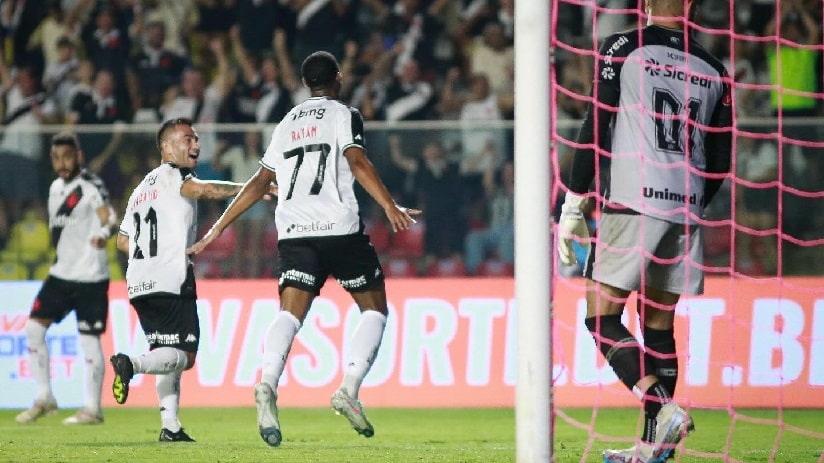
[[662, 132]]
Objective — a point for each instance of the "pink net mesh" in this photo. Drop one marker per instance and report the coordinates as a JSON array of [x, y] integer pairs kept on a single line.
[[763, 233]]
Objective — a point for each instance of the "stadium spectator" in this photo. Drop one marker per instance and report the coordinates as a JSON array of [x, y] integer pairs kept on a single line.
[[795, 74], [435, 184], [153, 70], [19, 20], [497, 234], [756, 205], [202, 104], [243, 161], [21, 150], [655, 189], [108, 46], [159, 275], [318, 26], [81, 221], [494, 57], [58, 77], [309, 254]]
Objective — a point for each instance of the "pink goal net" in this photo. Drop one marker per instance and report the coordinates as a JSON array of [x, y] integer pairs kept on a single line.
[[753, 344]]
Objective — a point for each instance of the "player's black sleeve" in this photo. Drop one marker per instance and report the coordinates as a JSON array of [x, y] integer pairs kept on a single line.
[[595, 130], [718, 145]]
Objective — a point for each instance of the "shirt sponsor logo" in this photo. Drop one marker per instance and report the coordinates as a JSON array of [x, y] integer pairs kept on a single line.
[[608, 73], [655, 69], [142, 287], [619, 42], [673, 196], [311, 227], [317, 112]]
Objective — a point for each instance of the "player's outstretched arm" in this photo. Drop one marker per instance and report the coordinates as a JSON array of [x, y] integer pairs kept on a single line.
[[195, 188], [108, 226], [367, 176], [261, 183]]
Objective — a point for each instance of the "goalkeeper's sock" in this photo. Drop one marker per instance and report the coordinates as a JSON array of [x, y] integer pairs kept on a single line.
[[39, 359], [655, 397], [95, 368], [161, 361], [276, 346], [660, 358], [168, 394], [366, 340], [619, 346], [649, 428]]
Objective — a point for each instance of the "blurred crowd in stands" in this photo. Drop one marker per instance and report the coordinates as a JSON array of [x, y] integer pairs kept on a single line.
[[233, 67]]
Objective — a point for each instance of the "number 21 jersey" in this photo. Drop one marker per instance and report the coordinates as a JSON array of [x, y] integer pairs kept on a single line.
[[315, 184], [161, 224]]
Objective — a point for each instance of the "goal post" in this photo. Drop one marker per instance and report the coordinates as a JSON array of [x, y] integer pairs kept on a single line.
[[532, 233]]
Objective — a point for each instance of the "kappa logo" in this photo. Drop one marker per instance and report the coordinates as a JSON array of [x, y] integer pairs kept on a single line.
[[358, 137], [191, 338]]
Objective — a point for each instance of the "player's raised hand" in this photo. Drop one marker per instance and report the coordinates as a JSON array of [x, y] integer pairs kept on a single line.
[[210, 236], [401, 217]]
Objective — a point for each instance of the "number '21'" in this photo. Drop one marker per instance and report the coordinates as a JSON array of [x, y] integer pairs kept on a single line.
[[668, 125], [324, 150], [151, 219]]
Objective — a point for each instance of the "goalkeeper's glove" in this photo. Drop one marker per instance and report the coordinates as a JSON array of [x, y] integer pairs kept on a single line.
[[572, 226]]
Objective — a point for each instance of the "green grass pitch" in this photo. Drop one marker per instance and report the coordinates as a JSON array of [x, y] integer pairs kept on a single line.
[[401, 435]]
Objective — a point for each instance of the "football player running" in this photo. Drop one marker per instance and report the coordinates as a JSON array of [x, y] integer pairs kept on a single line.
[[315, 155]]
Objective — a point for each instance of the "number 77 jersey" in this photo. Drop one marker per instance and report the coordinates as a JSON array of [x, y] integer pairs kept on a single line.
[[161, 224], [316, 195]]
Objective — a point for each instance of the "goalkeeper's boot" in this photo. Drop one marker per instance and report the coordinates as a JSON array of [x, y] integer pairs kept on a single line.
[[640, 453], [84, 416], [123, 373], [267, 414], [169, 436], [673, 425], [352, 409], [39, 408]]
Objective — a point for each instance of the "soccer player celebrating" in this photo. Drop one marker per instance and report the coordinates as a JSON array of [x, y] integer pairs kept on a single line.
[[81, 220], [661, 128], [159, 224], [316, 154]]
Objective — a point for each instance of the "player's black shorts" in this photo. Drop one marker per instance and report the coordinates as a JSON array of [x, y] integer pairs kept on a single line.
[[169, 320], [90, 302], [306, 263]]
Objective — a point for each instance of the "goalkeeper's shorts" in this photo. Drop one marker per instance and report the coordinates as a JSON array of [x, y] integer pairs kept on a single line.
[[633, 251]]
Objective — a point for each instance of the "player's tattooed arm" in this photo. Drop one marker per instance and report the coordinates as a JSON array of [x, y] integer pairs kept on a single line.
[[209, 189]]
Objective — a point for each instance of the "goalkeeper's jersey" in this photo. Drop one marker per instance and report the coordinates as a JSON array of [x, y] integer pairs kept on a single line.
[[664, 97], [73, 221], [160, 223], [315, 184]]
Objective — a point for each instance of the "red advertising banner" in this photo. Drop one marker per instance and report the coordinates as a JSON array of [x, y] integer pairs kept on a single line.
[[453, 343]]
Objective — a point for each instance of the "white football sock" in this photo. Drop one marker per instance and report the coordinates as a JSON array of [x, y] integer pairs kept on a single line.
[[39, 359], [276, 346], [161, 361], [366, 340], [93, 352], [168, 394]]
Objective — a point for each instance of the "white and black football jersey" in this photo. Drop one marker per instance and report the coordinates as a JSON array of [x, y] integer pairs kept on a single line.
[[316, 195], [73, 221], [161, 224], [662, 120]]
